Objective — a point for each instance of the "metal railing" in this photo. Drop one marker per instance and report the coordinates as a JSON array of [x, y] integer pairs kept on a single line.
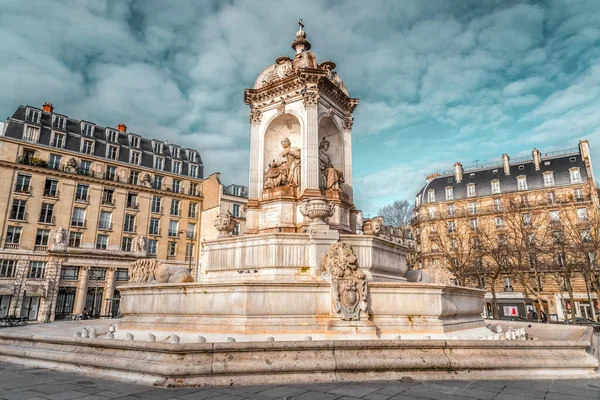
[[23, 189], [51, 193]]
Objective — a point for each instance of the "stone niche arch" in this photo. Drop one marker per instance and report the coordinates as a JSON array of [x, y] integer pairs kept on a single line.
[[329, 130], [283, 126]]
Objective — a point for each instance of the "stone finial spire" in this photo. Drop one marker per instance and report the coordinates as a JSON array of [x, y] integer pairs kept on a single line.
[[300, 44]]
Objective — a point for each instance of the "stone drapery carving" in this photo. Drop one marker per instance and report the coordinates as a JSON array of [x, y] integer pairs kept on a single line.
[[373, 226], [152, 271], [225, 224], [348, 122], [329, 177], [285, 171], [348, 282], [281, 108], [140, 244], [310, 98], [146, 180], [255, 115], [71, 165]]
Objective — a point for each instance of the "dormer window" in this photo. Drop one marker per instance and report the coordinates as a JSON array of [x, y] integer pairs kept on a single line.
[[33, 115], [59, 122], [548, 179], [495, 186], [87, 129], [134, 141], [159, 163], [575, 174], [112, 136], [87, 146], [192, 156], [112, 152], [157, 147], [431, 195], [31, 134], [194, 171], [449, 193], [57, 140], [176, 167], [471, 190], [521, 182], [135, 157], [175, 151]]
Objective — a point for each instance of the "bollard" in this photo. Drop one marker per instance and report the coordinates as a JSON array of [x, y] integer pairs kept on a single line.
[[111, 329], [174, 339], [110, 335], [77, 334], [93, 334], [94, 330], [308, 338], [201, 339], [270, 339], [85, 333], [129, 336], [498, 329], [231, 340], [496, 336], [151, 338], [513, 335]]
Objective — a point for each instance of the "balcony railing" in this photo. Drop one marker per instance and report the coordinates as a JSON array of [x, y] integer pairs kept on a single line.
[[173, 233], [11, 246], [47, 219], [157, 210], [108, 202], [78, 223], [51, 193], [23, 189], [80, 197], [154, 233], [133, 205], [40, 247], [176, 212], [171, 257]]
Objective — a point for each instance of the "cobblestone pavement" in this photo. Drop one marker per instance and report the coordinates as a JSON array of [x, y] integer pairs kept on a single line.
[[21, 383]]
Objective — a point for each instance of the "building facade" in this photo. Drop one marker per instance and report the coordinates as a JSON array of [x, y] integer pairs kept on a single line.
[[79, 202], [505, 227]]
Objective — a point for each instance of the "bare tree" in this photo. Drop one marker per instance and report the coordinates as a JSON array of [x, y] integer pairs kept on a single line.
[[52, 280], [399, 213]]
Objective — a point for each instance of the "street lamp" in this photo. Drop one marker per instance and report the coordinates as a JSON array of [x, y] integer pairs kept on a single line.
[[189, 236]]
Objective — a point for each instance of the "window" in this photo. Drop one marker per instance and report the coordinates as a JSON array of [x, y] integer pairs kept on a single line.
[[236, 210], [18, 210], [536, 283], [87, 146], [31, 134], [189, 250], [191, 231], [431, 196], [531, 238], [472, 208], [558, 237], [561, 260], [173, 228], [111, 173], [129, 225], [176, 167], [85, 168], [451, 226], [586, 236], [156, 204], [136, 157], [432, 212], [54, 161], [121, 274], [194, 189], [87, 129], [13, 235], [502, 240], [127, 243], [521, 183], [554, 217], [133, 177], [474, 224], [453, 244], [36, 269], [134, 141], [526, 219], [176, 186], [551, 197], [177, 152], [508, 284], [157, 184], [33, 115], [449, 193], [499, 222], [521, 167], [158, 163], [192, 156], [578, 194], [7, 268], [41, 237], [192, 209], [152, 246], [194, 171], [175, 210], [75, 239], [471, 190], [97, 274], [582, 214], [132, 200], [548, 179], [154, 228], [112, 152], [81, 193], [111, 135], [51, 188], [108, 196], [157, 147], [450, 210], [237, 190], [58, 140], [47, 213], [69, 273], [105, 221], [172, 249], [78, 217], [59, 122], [22, 185], [495, 186], [575, 174], [102, 242]]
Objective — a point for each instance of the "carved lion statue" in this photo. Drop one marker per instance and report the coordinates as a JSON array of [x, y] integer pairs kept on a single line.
[[152, 271], [341, 262]]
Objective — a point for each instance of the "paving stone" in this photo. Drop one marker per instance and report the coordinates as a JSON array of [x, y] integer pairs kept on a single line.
[[227, 397], [477, 393], [316, 395], [394, 388], [72, 394], [354, 390], [204, 394], [524, 392], [377, 396], [283, 391], [24, 395]]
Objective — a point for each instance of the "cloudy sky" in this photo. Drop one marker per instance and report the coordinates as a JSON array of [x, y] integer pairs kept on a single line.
[[439, 81]]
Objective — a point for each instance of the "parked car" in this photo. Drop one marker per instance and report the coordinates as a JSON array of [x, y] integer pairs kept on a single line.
[[515, 318], [585, 321]]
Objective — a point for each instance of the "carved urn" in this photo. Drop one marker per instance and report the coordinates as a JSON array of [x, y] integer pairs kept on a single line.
[[225, 224], [317, 210]]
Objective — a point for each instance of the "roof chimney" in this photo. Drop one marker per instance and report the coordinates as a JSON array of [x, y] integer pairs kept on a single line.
[[122, 127], [505, 160], [458, 172], [48, 107], [537, 158], [431, 177]]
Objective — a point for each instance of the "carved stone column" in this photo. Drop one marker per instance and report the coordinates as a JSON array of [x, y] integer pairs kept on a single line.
[[310, 155], [255, 168], [347, 125], [81, 294], [109, 290]]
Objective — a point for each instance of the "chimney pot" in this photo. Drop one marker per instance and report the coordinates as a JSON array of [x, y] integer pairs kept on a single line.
[[505, 162], [432, 176], [537, 158], [122, 127], [458, 172], [48, 107]]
